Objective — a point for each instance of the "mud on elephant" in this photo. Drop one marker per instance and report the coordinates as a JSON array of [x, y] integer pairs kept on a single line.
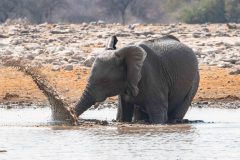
[[155, 80]]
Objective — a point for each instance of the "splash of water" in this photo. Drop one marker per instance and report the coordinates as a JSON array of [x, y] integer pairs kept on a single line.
[[61, 110]]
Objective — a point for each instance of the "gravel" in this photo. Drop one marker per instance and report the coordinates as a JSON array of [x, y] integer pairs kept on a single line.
[[67, 45]]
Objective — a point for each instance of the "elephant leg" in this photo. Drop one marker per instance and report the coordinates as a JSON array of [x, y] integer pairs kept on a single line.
[[139, 114], [157, 113], [180, 111], [125, 110]]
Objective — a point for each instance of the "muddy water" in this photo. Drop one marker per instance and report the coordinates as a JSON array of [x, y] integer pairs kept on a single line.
[[29, 134]]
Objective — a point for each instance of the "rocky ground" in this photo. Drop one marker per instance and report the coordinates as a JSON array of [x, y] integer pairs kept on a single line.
[[66, 53]]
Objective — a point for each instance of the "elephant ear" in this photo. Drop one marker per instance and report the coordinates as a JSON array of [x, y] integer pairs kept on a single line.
[[134, 57], [111, 43]]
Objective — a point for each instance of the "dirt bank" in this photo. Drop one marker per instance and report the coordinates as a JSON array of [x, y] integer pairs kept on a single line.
[[216, 85]]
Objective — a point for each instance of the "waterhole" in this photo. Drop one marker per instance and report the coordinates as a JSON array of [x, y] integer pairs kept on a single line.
[[30, 134]]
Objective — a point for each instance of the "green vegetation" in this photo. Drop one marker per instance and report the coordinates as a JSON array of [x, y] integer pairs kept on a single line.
[[213, 11]]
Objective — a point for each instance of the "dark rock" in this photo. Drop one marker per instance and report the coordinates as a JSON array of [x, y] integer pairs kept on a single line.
[[196, 35], [68, 67], [205, 29], [235, 72], [231, 26], [3, 36]]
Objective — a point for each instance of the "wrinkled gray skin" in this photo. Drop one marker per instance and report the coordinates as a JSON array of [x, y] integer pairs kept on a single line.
[[156, 80]]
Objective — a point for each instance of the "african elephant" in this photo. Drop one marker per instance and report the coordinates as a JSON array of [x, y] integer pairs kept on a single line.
[[160, 77]]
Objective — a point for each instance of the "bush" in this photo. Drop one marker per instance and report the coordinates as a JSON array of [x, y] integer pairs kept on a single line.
[[232, 10], [205, 11]]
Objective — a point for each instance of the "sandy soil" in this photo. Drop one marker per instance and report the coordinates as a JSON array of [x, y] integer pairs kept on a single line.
[[215, 84]]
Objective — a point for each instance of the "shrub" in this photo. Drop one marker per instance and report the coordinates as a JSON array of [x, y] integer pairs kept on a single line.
[[205, 11]]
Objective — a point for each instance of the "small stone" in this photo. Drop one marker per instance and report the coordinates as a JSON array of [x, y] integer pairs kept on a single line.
[[84, 24], [237, 44], [30, 57], [231, 26], [93, 23], [99, 36], [238, 62], [73, 61], [235, 72], [7, 52], [68, 67], [65, 31], [101, 22], [205, 29], [77, 57], [131, 27], [56, 68], [9, 107], [65, 53], [230, 60], [3, 36], [208, 34], [224, 65], [32, 46], [196, 35], [219, 43]]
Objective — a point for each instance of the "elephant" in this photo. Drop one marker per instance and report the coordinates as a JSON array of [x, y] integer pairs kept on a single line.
[[155, 80]]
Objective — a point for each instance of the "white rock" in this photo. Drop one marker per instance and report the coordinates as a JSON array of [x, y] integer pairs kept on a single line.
[[224, 65], [56, 68], [64, 53], [19, 49], [73, 61], [84, 24], [101, 22], [32, 46], [237, 44], [37, 51], [77, 57], [60, 31], [7, 52]]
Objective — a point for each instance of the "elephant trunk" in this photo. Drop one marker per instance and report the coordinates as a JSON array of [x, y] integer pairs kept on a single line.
[[85, 102]]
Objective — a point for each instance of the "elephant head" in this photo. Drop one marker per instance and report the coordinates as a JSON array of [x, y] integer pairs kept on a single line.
[[114, 72]]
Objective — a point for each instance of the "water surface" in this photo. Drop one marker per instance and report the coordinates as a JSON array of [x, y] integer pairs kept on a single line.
[[29, 134]]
